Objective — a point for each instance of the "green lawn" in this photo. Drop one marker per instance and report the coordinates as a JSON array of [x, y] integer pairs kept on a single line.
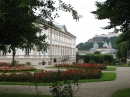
[[22, 95], [122, 93], [112, 68], [109, 68], [106, 76]]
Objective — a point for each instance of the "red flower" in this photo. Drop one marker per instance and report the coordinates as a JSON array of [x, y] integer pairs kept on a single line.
[[41, 75]]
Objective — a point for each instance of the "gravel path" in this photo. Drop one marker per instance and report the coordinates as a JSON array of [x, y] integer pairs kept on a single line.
[[89, 89]]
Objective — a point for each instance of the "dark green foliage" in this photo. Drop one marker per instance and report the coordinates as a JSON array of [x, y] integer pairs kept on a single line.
[[118, 62], [77, 57], [108, 58], [92, 62], [106, 62], [123, 45], [85, 46], [117, 11], [87, 58], [98, 58], [19, 23], [113, 41], [97, 52], [28, 63]]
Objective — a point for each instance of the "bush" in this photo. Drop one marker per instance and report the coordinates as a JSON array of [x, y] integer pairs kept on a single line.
[[128, 63], [15, 62], [118, 62], [98, 58], [51, 76], [106, 62], [83, 66], [92, 62], [28, 63]]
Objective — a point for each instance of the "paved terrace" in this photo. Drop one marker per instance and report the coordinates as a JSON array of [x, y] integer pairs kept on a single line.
[[89, 89]]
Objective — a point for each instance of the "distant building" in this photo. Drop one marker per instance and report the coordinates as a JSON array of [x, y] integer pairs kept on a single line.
[[99, 38], [106, 49], [110, 34]]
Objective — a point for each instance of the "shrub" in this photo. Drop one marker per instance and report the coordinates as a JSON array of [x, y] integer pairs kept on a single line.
[[92, 62], [83, 66], [128, 63], [51, 76], [15, 62], [28, 63], [106, 62], [118, 62]]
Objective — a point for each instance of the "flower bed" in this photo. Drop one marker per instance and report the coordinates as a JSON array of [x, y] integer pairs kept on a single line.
[[83, 66], [5, 67], [20, 68], [4, 64], [51, 76]]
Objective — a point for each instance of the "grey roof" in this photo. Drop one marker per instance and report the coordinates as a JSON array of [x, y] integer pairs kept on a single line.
[[59, 27]]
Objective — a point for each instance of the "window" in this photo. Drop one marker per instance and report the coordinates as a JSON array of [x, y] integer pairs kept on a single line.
[[27, 51]]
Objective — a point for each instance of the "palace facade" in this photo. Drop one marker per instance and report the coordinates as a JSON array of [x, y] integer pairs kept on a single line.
[[62, 48]]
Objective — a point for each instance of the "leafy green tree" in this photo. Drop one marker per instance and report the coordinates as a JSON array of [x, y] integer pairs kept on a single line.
[[113, 41], [19, 22], [123, 46], [117, 11]]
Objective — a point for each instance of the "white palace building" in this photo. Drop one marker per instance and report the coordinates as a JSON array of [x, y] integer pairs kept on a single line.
[[62, 47]]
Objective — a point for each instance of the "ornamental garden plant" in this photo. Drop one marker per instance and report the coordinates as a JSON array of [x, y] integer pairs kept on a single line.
[[51, 76], [7, 67], [83, 66], [84, 71]]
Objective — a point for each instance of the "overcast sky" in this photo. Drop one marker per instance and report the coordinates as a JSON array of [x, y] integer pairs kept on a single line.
[[87, 27]]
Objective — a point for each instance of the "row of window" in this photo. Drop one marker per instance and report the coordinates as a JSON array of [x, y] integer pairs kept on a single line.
[[61, 37], [27, 51]]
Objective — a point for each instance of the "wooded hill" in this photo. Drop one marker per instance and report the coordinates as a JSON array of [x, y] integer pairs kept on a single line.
[[99, 40]]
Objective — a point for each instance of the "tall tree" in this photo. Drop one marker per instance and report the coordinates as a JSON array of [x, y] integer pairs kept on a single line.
[[117, 11], [123, 45], [19, 20]]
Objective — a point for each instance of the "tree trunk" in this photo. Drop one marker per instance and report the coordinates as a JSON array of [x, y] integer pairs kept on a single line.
[[13, 57]]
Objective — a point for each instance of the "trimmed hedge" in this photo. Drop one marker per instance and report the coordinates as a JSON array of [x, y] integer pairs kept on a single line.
[[98, 58]]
